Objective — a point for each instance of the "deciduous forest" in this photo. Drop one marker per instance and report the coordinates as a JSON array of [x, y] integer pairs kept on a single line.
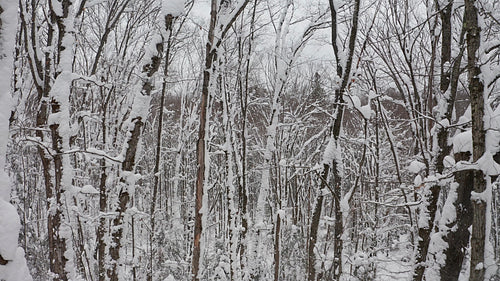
[[164, 140]]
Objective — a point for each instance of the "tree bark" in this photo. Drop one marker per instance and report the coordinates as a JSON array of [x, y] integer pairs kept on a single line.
[[458, 235], [201, 150], [128, 164], [103, 198], [159, 131], [476, 90], [448, 88], [277, 232], [56, 258], [201, 143], [313, 233], [332, 161], [59, 232]]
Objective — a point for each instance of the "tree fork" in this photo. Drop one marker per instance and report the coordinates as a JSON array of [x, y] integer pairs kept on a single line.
[[210, 57], [344, 73]]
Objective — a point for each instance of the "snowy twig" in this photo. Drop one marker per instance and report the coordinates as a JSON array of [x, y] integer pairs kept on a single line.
[[409, 204], [97, 153], [40, 144]]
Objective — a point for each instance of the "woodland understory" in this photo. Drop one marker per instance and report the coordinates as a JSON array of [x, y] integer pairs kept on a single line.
[[249, 140]]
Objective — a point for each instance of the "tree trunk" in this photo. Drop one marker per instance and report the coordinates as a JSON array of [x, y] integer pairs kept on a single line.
[[201, 149], [103, 198], [242, 187], [430, 200], [476, 90], [313, 234], [277, 232], [458, 235], [56, 258], [60, 234], [16, 268], [331, 157], [201, 144], [448, 88], [141, 100], [156, 168]]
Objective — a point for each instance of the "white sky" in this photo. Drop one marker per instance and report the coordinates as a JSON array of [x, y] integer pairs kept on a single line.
[[317, 49]]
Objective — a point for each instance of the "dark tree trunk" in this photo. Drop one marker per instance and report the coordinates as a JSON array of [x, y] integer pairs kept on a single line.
[[277, 233], [242, 188], [476, 90], [210, 58], [424, 233], [123, 200], [458, 236], [313, 234], [101, 229], [102, 223], [449, 80], [53, 183], [128, 164], [200, 146], [343, 72]]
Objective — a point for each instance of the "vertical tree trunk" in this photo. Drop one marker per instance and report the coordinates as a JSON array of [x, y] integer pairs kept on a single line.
[[332, 157], [448, 88], [430, 197], [428, 209], [156, 168], [457, 231], [201, 150], [12, 264], [458, 235], [313, 233], [277, 232], [103, 199], [43, 89], [59, 128], [476, 90], [231, 212], [242, 188], [101, 230], [141, 100]]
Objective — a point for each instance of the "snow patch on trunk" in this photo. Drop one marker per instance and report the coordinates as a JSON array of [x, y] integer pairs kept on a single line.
[[462, 142]]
